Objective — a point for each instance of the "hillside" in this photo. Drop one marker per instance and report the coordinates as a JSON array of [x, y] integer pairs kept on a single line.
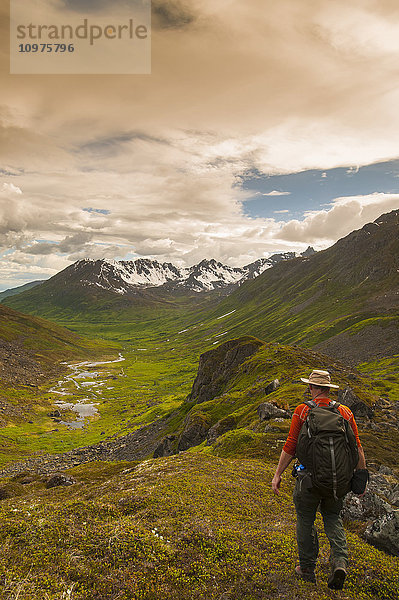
[[202, 523], [31, 348], [191, 526], [19, 289], [243, 382], [342, 301]]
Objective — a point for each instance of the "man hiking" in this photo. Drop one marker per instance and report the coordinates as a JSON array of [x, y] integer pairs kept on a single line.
[[323, 434]]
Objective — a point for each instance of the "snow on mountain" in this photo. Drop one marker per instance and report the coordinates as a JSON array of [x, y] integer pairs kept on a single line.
[[123, 277]]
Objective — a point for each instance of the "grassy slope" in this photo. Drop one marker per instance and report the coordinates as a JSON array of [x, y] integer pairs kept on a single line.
[[351, 286], [192, 526], [46, 342], [31, 350], [199, 525]]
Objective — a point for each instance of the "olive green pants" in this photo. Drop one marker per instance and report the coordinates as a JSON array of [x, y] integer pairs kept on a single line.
[[307, 502]]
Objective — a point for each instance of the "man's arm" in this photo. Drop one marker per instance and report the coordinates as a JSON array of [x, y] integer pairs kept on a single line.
[[362, 459], [283, 463]]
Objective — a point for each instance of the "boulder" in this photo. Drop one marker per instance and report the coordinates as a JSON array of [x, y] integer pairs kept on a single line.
[[59, 479], [384, 532], [379, 507], [348, 397], [268, 411], [272, 386], [221, 427]]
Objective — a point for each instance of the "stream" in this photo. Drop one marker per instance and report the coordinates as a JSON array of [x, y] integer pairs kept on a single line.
[[83, 382]]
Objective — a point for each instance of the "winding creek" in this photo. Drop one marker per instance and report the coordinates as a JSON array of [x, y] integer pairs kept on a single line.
[[81, 391]]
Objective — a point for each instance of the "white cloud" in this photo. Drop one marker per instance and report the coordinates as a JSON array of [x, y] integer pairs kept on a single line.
[[353, 170], [165, 154], [10, 188], [324, 227], [355, 29], [276, 193]]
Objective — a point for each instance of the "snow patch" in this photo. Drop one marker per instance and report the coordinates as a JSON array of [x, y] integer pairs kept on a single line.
[[227, 314]]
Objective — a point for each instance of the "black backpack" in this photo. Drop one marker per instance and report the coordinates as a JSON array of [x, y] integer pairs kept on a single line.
[[327, 448]]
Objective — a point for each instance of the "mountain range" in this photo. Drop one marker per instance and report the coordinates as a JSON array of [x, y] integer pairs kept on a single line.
[[342, 301], [126, 277], [93, 284]]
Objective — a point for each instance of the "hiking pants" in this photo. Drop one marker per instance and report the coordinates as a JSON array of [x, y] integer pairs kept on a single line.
[[306, 504]]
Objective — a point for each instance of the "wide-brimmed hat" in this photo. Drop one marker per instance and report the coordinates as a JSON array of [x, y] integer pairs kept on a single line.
[[320, 378]]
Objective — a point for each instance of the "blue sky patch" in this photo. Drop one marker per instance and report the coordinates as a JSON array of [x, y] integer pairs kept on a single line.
[[99, 211], [315, 189]]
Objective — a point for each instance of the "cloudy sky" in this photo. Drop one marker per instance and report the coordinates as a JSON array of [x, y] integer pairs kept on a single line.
[[264, 126]]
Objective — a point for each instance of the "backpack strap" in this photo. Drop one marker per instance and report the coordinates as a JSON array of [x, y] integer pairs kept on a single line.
[[334, 404], [310, 403]]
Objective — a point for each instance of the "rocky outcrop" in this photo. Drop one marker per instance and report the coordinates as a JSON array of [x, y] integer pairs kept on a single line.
[[218, 366], [348, 397], [384, 532], [216, 369], [379, 508], [195, 430], [268, 411], [272, 387], [221, 427], [167, 447], [59, 479]]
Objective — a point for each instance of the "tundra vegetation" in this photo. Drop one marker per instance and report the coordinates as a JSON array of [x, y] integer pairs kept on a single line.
[[200, 522]]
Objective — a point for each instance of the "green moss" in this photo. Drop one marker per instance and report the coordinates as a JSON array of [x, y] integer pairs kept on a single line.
[[192, 526], [11, 489], [242, 442]]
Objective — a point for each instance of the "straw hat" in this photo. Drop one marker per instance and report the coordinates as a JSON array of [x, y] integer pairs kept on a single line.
[[320, 378]]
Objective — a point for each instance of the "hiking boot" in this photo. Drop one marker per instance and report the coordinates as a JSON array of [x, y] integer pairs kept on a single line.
[[337, 578], [306, 574]]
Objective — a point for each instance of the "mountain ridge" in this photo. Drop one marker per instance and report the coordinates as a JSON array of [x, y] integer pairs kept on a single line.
[[19, 289], [97, 285], [207, 275]]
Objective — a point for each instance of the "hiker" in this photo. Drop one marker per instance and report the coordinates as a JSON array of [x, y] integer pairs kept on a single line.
[[343, 451]]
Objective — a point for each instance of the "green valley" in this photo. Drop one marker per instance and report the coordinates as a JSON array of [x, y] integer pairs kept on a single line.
[[170, 466]]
